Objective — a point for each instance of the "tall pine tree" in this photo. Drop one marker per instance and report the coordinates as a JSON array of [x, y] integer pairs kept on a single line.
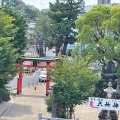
[[64, 13], [7, 56], [20, 39]]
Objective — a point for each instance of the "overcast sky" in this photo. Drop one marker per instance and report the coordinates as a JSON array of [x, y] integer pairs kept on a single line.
[[43, 4]]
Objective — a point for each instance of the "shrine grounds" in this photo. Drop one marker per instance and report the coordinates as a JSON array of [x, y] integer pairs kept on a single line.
[[28, 104]]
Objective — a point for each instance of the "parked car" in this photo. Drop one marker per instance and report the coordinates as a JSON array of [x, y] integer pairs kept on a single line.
[[43, 76]]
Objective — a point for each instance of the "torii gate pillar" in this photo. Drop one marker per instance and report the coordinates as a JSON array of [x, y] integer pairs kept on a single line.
[[19, 81], [48, 80]]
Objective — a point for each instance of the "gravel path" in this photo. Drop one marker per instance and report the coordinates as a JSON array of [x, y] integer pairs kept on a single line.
[[30, 103]]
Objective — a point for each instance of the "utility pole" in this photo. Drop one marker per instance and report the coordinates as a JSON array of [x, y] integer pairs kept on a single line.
[[82, 46], [41, 47]]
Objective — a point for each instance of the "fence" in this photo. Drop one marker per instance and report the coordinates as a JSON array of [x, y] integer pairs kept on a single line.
[[50, 118], [33, 84]]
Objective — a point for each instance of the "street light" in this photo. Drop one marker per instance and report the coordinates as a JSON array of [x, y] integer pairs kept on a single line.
[[109, 92]]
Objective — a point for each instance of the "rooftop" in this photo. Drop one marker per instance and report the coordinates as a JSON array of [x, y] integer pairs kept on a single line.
[[29, 58]]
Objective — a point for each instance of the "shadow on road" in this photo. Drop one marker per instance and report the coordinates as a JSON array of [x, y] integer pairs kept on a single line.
[[17, 110], [32, 96]]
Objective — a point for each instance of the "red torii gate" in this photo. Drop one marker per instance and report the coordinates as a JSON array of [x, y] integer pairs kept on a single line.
[[35, 60]]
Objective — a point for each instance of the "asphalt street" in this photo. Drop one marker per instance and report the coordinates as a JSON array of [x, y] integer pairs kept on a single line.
[[28, 80], [49, 52]]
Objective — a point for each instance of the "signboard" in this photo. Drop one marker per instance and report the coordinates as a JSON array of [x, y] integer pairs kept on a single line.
[[104, 103]]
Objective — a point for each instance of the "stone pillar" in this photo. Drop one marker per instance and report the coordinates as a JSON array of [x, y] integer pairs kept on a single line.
[[118, 85], [40, 116]]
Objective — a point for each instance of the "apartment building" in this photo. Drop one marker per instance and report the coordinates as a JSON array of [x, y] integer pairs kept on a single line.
[[104, 1]]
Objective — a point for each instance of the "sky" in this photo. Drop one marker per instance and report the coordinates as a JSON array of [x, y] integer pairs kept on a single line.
[[43, 4]]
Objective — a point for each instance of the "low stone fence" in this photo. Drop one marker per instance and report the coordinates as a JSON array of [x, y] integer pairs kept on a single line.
[[50, 118]]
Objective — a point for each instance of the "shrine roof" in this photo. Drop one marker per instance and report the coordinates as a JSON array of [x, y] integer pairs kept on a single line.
[[29, 58]]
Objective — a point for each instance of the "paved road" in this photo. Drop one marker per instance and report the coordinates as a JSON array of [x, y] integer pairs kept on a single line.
[[49, 52], [27, 80], [26, 105], [30, 102]]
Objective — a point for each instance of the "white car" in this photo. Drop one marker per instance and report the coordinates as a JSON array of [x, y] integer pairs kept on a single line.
[[43, 76]]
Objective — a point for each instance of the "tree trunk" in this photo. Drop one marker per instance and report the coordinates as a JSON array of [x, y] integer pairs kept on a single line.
[[67, 112], [41, 48], [54, 106], [64, 49], [41, 54], [57, 110], [57, 50], [0, 98], [71, 111]]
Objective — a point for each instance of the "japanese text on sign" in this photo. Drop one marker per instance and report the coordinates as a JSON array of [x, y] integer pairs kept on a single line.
[[103, 103]]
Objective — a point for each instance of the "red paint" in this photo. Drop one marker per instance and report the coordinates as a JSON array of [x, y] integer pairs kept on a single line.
[[29, 66], [91, 104], [48, 80], [19, 82], [20, 78]]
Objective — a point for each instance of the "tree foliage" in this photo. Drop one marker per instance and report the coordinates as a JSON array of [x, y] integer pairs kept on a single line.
[[7, 56], [99, 30], [43, 27], [74, 82], [31, 12], [19, 40], [64, 13], [95, 26], [12, 43], [28, 11]]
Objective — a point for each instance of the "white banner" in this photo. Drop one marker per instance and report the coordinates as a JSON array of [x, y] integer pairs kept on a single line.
[[104, 103]]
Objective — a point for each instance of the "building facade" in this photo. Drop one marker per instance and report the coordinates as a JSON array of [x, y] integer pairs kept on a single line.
[[104, 1]]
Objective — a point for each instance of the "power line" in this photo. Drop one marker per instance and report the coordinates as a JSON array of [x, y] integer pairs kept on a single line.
[[58, 30]]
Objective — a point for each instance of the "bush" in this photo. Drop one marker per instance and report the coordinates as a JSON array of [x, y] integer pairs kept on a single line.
[[61, 115], [49, 104], [4, 94], [6, 97]]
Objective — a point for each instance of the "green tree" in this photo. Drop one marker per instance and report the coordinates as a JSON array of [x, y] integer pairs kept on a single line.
[[42, 29], [7, 56], [99, 29], [18, 4], [28, 11], [64, 13], [74, 83], [19, 41], [31, 12]]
